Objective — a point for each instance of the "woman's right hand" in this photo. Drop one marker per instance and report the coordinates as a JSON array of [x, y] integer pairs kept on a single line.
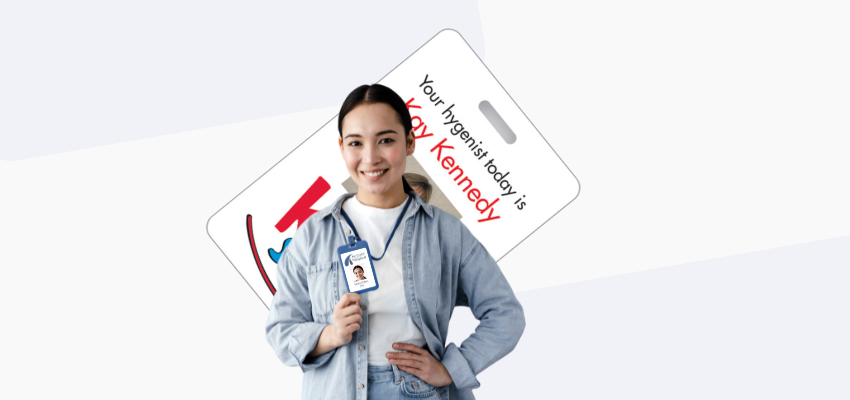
[[346, 319]]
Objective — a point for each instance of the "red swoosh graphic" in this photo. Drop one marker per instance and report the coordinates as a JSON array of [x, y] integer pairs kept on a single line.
[[257, 256]]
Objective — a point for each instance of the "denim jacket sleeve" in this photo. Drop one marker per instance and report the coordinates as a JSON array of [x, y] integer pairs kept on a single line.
[[290, 328], [483, 287]]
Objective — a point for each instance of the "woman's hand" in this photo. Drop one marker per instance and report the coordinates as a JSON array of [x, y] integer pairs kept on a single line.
[[347, 317], [420, 362]]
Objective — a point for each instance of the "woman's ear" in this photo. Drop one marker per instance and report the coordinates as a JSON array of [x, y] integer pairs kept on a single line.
[[340, 144], [411, 142]]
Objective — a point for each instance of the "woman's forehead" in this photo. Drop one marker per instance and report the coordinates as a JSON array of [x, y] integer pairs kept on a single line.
[[371, 119]]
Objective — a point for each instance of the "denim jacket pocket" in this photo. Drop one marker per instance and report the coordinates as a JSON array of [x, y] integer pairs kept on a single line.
[[321, 282]]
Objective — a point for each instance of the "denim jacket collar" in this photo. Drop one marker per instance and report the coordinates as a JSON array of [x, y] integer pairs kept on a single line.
[[335, 208]]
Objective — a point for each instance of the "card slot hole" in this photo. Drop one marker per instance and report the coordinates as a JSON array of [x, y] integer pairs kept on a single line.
[[496, 120]]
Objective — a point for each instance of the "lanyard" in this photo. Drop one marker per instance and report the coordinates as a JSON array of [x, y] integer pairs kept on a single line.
[[397, 222]]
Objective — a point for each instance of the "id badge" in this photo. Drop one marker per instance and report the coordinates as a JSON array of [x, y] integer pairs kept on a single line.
[[477, 157], [357, 267]]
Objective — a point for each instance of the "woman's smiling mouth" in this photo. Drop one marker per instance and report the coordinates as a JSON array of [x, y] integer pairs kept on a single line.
[[374, 175]]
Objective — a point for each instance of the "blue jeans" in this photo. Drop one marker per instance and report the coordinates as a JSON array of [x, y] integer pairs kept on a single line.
[[389, 382]]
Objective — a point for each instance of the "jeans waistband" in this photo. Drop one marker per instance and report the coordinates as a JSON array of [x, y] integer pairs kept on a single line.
[[383, 373]]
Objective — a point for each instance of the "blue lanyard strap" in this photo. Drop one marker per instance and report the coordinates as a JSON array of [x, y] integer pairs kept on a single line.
[[397, 223]]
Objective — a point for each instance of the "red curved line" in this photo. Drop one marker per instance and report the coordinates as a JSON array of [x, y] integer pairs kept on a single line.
[[257, 256]]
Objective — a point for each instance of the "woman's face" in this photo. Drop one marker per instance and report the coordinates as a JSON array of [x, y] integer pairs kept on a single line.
[[359, 274], [373, 147]]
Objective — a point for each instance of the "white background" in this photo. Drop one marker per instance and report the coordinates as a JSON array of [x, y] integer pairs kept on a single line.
[[698, 132]]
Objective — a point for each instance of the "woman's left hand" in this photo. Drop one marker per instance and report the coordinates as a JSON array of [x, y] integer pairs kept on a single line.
[[420, 362]]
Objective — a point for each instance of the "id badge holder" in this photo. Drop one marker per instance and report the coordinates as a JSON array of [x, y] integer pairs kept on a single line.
[[353, 255], [477, 157]]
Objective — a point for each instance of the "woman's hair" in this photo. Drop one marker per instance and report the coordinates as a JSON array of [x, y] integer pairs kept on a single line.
[[414, 179], [372, 94], [355, 267], [377, 93]]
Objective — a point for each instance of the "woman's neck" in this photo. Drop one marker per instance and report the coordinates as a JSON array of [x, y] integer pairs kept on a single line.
[[392, 198]]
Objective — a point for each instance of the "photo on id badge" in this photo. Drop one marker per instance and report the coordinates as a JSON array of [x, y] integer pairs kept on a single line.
[[356, 262]]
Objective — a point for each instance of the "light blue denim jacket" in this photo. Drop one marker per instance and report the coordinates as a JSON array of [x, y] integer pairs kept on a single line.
[[443, 266]]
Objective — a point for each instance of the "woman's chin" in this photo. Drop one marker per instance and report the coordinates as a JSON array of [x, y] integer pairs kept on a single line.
[[378, 188], [373, 190]]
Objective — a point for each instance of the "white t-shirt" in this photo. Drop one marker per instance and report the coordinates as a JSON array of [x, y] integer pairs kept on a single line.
[[389, 319]]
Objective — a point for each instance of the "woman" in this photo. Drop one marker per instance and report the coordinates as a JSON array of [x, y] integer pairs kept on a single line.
[[358, 273], [389, 343]]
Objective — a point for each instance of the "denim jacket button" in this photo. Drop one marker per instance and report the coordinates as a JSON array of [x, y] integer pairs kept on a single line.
[[362, 307], [361, 386], [362, 347]]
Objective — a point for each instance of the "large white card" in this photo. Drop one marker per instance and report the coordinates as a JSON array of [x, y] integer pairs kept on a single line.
[[501, 191]]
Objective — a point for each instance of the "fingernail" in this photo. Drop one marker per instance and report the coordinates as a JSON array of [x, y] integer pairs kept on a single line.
[[395, 346], [392, 361], [389, 355]]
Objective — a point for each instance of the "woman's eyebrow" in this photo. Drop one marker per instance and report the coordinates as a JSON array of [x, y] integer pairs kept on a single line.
[[377, 134]]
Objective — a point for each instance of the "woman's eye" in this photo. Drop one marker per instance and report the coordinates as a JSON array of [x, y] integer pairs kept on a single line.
[[386, 140], [354, 143]]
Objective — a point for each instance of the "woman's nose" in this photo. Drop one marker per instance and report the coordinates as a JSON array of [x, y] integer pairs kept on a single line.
[[370, 154]]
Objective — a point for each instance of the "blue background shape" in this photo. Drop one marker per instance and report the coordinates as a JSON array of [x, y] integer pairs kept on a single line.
[[91, 73]]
